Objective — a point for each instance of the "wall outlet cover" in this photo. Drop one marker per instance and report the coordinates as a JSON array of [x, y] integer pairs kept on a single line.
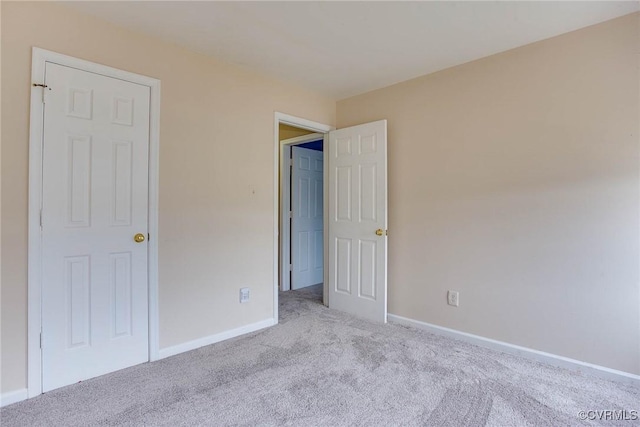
[[453, 298], [244, 295]]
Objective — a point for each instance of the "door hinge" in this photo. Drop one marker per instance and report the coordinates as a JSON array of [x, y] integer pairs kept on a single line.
[[148, 237], [45, 91], [41, 219], [40, 339], [290, 214], [290, 267]]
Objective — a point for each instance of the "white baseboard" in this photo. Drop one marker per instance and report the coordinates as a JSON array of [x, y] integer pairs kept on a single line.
[[529, 353], [212, 339], [13, 397]]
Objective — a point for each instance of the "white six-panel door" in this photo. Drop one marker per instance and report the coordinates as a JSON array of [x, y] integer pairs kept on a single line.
[[307, 217], [358, 220], [95, 199]]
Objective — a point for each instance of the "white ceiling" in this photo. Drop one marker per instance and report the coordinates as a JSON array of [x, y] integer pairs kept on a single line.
[[347, 48]]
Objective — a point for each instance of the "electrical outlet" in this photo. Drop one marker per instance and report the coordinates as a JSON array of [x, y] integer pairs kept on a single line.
[[453, 298], [244, 295]]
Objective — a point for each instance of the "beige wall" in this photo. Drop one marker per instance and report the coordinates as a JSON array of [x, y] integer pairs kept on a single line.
[[287, 132], [216, 173], [514, 180]]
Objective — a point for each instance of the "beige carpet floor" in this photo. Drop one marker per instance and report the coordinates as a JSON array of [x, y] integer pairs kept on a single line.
[[320, 367]]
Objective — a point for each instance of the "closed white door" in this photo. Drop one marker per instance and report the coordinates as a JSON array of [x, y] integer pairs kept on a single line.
[[95, 200], [307, 219], [358, 220]]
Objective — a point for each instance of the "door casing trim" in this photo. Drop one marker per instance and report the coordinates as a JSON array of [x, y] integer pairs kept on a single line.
[[39, 59]]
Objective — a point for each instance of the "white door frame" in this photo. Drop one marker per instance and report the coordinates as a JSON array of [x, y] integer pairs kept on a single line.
[[281, 118], [36, 130], [285, 193]]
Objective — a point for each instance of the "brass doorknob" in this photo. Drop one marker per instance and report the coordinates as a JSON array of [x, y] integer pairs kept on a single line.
[[379, 232], [138, 238]]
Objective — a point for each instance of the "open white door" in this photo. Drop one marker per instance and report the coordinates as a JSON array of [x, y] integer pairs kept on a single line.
[[306, 217], [357, 168]]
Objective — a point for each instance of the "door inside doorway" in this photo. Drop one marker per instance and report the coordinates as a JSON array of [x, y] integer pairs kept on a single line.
[[306, 215], [302, 208]]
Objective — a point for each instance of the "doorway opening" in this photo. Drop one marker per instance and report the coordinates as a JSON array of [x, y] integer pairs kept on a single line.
[[354, 214], [301, 223]]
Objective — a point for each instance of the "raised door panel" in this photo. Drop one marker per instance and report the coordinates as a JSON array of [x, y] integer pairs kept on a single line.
[[367, 193], [343, 194], [342, 263], [78, 302], [367, 274], [304, 198], [121, 294], [79, 174], [122, 191], [80, 103], [122, 111]]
